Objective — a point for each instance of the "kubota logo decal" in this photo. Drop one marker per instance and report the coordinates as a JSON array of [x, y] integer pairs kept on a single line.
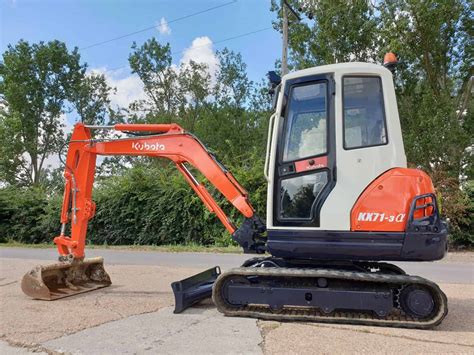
[[380, 217], [145, 146]]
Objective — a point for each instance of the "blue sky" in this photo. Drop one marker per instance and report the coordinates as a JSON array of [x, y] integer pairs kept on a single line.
[[82, 23], [85, 22]]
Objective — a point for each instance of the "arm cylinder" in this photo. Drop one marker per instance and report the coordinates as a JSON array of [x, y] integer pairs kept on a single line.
[[160, 128]]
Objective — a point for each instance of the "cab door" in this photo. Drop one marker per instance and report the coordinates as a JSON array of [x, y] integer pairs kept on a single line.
[[305, 169]]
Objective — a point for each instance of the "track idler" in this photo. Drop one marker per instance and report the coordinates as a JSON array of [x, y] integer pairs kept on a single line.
[[64, 279]]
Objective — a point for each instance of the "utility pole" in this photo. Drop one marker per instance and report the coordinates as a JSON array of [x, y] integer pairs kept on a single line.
[[284, 53], [285, 7]]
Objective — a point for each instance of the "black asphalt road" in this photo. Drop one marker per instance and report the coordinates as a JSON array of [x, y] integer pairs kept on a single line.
[[440, 271]]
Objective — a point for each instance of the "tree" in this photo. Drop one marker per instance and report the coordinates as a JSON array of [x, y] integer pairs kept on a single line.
[[90, 97], [34, 83], [37, 83], [195, 87], [426, 36], [232, 84], [432, 39], [152, 63], [233, 126], [13, 168], [339, 31], [431, 83]]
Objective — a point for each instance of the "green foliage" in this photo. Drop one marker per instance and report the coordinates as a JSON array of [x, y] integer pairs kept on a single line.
[[152, 63], [21, 214], [341, 31], [433, 97], [149, 206], [464, 235], [155, 205], [144, 201], [89, 95], [37, 84], [433, 40], [33, 84], [145, 206], [433, 137]]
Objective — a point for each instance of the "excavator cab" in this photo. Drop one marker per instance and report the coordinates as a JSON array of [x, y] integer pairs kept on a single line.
[[340, 200], [338, 186]]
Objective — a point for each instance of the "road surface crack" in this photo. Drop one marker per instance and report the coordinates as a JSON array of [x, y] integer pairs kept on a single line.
[[98, 302], [9, 283]]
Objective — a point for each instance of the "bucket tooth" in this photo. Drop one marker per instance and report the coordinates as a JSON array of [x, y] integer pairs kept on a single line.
[[51, 282]]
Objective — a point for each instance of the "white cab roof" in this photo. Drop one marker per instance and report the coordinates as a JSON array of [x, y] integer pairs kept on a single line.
[[341, 68]]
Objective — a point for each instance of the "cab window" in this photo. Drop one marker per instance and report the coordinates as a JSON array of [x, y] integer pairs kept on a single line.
[[298, 195], [364, 117], [306, 123]]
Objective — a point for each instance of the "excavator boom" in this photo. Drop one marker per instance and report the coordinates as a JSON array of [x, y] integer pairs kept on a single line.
[[74, 274]]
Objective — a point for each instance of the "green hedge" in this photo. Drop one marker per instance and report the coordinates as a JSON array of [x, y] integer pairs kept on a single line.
[[145, 206], [150, 206], [21, 214], [462, 223]]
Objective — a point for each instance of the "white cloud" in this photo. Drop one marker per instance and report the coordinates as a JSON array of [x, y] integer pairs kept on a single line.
[[67, 124], [129, 87], [163, 27], [201, 51]]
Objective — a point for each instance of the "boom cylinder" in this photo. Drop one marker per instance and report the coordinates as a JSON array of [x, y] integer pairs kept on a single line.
[[138, 127]]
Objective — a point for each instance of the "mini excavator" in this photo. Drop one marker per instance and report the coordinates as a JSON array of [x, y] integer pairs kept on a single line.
[[341, 203]]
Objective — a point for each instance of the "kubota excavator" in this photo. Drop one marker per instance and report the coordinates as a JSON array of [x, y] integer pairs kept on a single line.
[[340, 201]]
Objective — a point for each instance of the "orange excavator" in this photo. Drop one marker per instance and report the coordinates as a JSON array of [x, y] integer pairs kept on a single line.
[[340, 203]]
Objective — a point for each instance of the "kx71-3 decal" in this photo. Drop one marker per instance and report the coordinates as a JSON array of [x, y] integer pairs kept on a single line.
[[380, 217]]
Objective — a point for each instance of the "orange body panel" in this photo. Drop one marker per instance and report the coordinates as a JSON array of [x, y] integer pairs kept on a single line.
[[384, 205], [173, 144]]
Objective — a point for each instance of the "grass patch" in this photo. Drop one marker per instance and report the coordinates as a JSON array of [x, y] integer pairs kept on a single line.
[[14, 244], [164, 248]]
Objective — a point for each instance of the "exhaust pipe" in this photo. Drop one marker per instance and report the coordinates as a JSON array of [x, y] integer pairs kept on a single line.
[[64, 279]]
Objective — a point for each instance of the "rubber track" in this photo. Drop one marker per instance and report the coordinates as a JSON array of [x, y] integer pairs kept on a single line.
[[395, 319]]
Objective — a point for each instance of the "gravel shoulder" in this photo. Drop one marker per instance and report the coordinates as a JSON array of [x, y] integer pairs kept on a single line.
[[458, 257]]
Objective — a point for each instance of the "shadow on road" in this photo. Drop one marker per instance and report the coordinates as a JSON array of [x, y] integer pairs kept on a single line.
[[200, 307]]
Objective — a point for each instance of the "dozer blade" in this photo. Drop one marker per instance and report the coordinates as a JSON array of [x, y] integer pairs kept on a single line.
[[51, 282], [194, 289]]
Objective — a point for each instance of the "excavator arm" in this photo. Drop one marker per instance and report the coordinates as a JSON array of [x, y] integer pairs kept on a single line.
[[168, 141], [75, 274]]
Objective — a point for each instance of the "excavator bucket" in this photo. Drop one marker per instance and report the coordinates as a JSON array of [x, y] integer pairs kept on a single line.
[[51, 282]]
